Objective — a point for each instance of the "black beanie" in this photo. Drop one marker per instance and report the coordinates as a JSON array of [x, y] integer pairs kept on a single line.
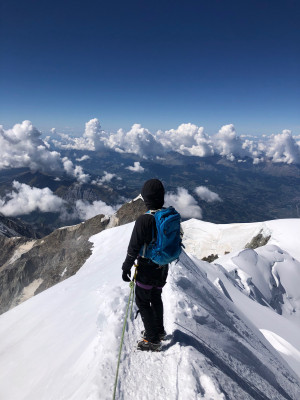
[[153, 194]]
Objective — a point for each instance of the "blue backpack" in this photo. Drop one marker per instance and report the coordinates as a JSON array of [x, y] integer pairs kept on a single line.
[[166, 247]]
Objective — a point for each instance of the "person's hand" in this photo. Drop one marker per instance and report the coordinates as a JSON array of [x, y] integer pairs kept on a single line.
[[126, 276]]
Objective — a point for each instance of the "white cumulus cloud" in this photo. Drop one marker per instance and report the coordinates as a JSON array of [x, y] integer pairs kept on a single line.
[[24, 199], [22, 146], [228, 144], [187, 139], [106, 178], [94, 134], [137, 140], [184, 203], [93, 138], [86, 210], [283, 148], [75, 171], [206, 194], [136, 167], [83, 158]]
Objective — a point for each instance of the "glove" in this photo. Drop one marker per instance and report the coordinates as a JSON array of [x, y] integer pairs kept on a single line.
[[126, 276]]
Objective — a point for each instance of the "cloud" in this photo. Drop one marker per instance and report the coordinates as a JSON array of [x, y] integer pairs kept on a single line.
[[76, 172], [106, 178], [86, 210], [187, 139], [228, 144], [283, 148], [93, 138], [68, 142], [83, 158], [207, 195], [24, 199], [136, 167], [22, 146], [184, 203], [137, 140], [255, 150], [94, 134]]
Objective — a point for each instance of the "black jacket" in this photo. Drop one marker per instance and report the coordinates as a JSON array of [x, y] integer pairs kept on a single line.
[[143, 232]]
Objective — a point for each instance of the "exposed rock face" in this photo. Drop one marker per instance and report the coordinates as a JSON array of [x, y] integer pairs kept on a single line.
[[10, 227], [258, 241], [8, 246], [210, 258], [129, 212], [28, 267]]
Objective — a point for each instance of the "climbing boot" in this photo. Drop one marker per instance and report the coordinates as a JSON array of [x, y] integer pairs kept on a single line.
[[145, 345]]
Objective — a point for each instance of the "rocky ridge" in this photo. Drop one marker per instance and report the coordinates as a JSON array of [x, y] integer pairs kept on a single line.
[[10, 227], [28, 267]]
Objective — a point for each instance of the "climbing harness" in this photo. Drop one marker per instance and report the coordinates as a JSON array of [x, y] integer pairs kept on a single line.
[[130, 300]]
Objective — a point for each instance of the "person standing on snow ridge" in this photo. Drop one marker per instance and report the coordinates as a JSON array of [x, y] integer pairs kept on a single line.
[[150, 277]]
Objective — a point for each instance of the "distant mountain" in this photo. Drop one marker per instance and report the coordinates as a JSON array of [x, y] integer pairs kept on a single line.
[[10, 227], [249, 192], [29, 266]]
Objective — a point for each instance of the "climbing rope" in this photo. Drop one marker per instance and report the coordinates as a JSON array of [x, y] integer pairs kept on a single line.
[[130, 300], [133, 280]]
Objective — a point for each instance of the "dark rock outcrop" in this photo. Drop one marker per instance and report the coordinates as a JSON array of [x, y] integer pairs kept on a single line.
[[27, 267], [258, 241], [10, 227], [129, 212], [210, 258]]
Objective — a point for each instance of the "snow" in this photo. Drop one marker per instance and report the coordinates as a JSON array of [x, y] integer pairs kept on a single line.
[[285, 234], [23, 248], [63, 343], [204, 238], [282, 346], [27, 292], [273, 269], [265, 319], [210, 391]]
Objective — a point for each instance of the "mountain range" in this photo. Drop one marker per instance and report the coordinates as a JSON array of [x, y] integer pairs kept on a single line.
[[248, 192], [232, 325]]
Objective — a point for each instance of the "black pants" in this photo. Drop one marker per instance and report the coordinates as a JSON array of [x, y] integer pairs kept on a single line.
[[151, 308]]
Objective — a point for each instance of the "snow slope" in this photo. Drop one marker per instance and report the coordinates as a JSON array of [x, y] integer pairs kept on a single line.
[[204, 238], [269, 275], [63, 343]]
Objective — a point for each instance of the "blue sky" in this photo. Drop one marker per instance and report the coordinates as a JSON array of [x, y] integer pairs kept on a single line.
[[158, 63]]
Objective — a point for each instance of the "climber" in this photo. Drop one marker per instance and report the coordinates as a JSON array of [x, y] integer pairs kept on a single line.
[[151, 277]]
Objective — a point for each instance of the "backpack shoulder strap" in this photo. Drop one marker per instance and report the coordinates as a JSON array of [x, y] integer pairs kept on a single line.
[[150, 212]]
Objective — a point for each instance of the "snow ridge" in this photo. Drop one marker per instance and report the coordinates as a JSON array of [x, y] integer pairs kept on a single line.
[[63, 343]]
